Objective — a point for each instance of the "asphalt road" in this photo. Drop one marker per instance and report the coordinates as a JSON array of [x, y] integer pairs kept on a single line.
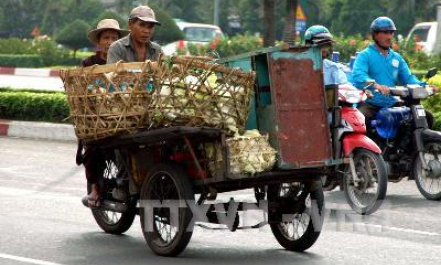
[[32, 82], [43, 222]]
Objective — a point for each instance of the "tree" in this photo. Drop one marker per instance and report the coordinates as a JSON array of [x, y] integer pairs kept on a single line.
[[354, 17], [55, 15], [289, 34], [123, 23], [2, 23], [189, 10], [74, 35], [269, 33], [251, 15], [168, 31], [19, 17], [407, 12], [125, 6], [315, 10]]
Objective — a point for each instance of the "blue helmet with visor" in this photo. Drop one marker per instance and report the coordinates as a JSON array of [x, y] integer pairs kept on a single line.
[[382, 24]]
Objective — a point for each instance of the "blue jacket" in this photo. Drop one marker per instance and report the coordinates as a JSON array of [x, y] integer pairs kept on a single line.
[[333, 73], [388, 71]]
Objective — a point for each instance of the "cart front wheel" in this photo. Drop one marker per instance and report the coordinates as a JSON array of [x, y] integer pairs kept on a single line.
[[299, 231], [165, 215]]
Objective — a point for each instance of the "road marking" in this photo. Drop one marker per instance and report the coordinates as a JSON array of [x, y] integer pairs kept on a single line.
[[398, 229], [27, 260]]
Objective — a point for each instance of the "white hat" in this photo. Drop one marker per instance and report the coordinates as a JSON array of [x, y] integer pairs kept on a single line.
[[106, 24]]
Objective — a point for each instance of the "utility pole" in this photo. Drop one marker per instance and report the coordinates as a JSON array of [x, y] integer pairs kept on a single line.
[[216, 12]]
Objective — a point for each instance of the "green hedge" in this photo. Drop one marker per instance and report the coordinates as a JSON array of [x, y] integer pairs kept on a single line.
[[34, 61], [33, 106], [34, 53], [8, 89], [21, 60], [15, 46], [225, 47]]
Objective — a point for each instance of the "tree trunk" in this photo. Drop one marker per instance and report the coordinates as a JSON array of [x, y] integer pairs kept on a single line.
[[269, 28], [289, 30]]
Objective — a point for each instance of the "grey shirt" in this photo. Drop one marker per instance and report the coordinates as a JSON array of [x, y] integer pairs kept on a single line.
[[123, 49]]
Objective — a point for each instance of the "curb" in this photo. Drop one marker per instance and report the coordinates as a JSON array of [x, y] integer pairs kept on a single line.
[[29, 72], [37, 130]]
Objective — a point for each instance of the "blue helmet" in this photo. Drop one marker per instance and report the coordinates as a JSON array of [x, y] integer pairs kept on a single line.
[[382, 24], [317, 34]]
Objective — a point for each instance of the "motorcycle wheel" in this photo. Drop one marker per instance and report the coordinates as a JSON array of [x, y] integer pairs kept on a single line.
[[109, 221], [367, 194], [429, 181], [304, 228], [164, 235]]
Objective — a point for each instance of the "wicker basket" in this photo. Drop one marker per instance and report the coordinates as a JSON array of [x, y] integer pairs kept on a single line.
[[121, 98], [247, 155]]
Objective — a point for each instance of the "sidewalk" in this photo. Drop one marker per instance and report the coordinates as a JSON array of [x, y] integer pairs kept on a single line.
[[37, 130], [29, 72]]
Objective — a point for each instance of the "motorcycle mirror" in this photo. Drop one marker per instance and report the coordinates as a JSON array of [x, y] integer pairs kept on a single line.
[[432, 72]]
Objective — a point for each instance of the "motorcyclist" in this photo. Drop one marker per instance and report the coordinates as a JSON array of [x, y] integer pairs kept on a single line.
[[387, 68], [332, 72]]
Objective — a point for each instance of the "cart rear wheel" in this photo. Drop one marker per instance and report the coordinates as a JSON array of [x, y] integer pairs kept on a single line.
[[303, 228], [166, 227], [111, 222]]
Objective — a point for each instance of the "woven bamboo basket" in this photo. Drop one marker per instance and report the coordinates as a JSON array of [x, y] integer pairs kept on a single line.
[[248, 154], [109, 100]]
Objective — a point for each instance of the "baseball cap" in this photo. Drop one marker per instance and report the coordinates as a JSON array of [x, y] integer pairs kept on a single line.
[[144, 13]]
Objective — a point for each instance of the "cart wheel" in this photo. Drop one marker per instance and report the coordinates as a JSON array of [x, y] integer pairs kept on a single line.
[[166, 229], [304, 227], [112, 222]]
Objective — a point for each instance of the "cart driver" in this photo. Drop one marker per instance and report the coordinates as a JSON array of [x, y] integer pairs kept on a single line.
[[332, 72], [137, 46]]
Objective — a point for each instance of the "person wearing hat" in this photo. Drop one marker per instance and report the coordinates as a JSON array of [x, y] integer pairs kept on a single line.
[[137, 46], [106, 32]]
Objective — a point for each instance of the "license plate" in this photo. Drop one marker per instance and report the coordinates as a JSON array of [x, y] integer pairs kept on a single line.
[[421, 113]]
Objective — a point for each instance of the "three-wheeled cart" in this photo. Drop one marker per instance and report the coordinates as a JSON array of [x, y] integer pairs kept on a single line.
[[163, 174]]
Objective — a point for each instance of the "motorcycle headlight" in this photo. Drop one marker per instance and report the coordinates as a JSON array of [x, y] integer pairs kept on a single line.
[[418, 92]]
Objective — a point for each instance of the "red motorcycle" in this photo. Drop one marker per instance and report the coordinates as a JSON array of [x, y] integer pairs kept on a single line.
[[363, 177]]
